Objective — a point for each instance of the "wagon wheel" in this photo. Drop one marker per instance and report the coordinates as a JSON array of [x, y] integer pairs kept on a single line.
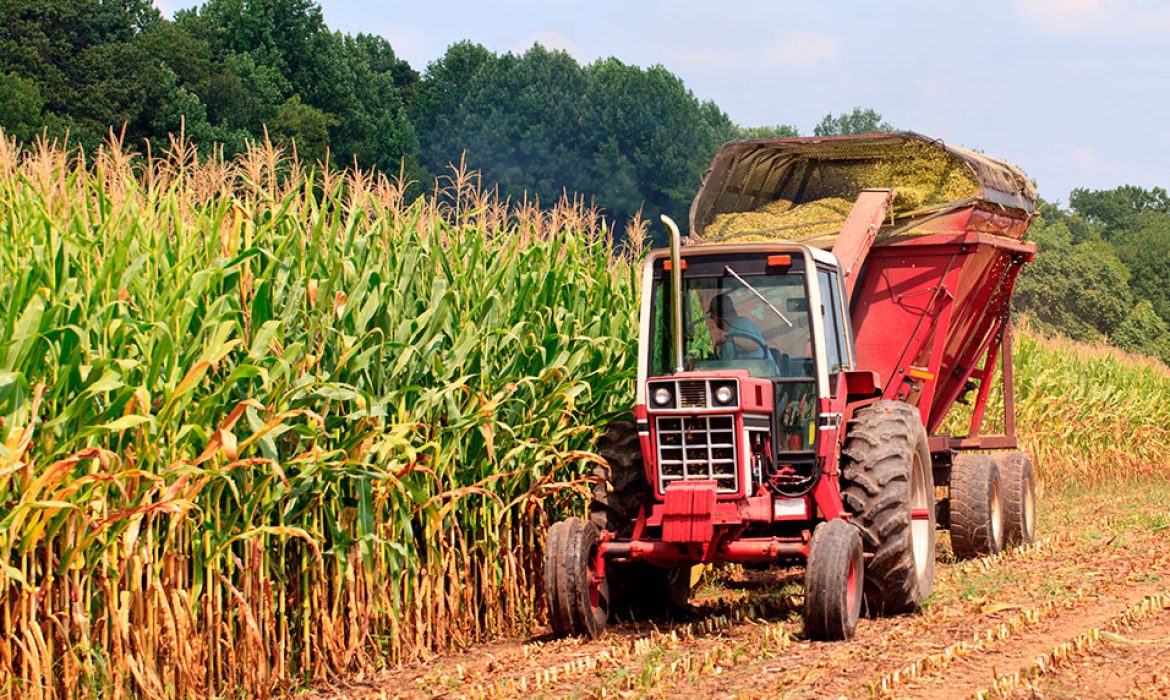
[[1019, 498], [976, 506]]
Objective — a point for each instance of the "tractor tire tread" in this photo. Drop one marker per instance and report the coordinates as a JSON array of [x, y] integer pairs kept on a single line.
[[621, 483], [877, 461]]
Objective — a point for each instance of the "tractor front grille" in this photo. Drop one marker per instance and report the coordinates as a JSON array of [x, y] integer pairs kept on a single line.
[[692, 394], [697, 447]]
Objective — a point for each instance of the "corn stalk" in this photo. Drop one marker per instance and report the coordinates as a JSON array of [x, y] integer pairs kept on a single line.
[[264, 424]]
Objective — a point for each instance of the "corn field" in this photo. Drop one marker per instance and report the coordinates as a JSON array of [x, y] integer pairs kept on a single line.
[[1087, 415], [265, 426]]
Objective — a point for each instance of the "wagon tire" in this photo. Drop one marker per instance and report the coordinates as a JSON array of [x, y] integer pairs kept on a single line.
[[976, 504], [576, 598], [888, 489], [1019, 498], [834, 582]]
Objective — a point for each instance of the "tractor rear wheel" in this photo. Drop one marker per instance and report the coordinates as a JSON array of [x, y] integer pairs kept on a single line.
[[834, 582], [888, 488], [637, 590], [976, 506], [1019, 498], [577, 598], [620, 487]]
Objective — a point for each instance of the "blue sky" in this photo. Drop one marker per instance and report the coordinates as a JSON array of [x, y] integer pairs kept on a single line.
[[1077, 92]]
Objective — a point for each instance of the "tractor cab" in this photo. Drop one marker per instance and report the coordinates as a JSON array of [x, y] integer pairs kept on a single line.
[[763, 333]]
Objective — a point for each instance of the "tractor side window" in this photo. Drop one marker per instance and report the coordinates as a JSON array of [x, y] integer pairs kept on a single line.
[[660, 362], [699, 344], [835, 347]]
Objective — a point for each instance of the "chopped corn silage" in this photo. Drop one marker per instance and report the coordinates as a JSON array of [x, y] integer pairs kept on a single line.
[[921, 175]]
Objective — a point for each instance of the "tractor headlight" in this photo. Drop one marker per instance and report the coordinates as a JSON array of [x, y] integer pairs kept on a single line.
[[724, 394], [663, 396]]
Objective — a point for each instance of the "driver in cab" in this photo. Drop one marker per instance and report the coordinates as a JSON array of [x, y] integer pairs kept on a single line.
[[736, 337]]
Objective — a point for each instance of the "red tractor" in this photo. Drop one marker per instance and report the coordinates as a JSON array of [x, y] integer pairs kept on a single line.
[[790, 394]]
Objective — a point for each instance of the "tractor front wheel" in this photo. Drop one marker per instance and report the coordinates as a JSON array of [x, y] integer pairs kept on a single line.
[[977, 518], [1019, 498], [576, 596], [834, 582]]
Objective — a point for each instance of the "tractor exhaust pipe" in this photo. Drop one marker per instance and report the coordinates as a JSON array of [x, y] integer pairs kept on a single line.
[[676, 320]]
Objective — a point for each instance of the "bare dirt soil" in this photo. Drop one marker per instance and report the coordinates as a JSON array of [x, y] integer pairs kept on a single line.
[[1085, 612]]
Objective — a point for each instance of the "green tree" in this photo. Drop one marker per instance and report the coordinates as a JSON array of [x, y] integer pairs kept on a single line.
[[372, 122], [1078, 289], [664, 136], [1144, 245], [178, 109], [1144, 331], [439, 110], [80, 55], [1118, 209], [21, 107], [779, 131], [1136, 222], [859, 121], [268, 51], [305, 126], [539, 124]]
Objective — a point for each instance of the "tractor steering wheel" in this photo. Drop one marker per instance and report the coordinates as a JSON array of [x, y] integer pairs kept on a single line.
[[734, 336]]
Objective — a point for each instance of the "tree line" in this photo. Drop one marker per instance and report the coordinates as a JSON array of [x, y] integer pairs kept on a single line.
[[1102, 269], [535, 125]]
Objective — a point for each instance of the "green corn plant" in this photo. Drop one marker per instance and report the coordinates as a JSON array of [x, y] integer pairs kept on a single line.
[[264, 424]]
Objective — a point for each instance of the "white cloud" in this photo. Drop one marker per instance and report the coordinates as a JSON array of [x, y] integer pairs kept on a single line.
[[793, 53], [801, 52], [1096, 16], [1064, 166], [1087, 160], [930, 89], [169, 7], [553, 41], [1061, 15]]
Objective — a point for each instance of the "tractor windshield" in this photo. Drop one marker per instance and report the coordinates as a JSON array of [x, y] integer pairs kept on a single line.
[[761, 326]]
